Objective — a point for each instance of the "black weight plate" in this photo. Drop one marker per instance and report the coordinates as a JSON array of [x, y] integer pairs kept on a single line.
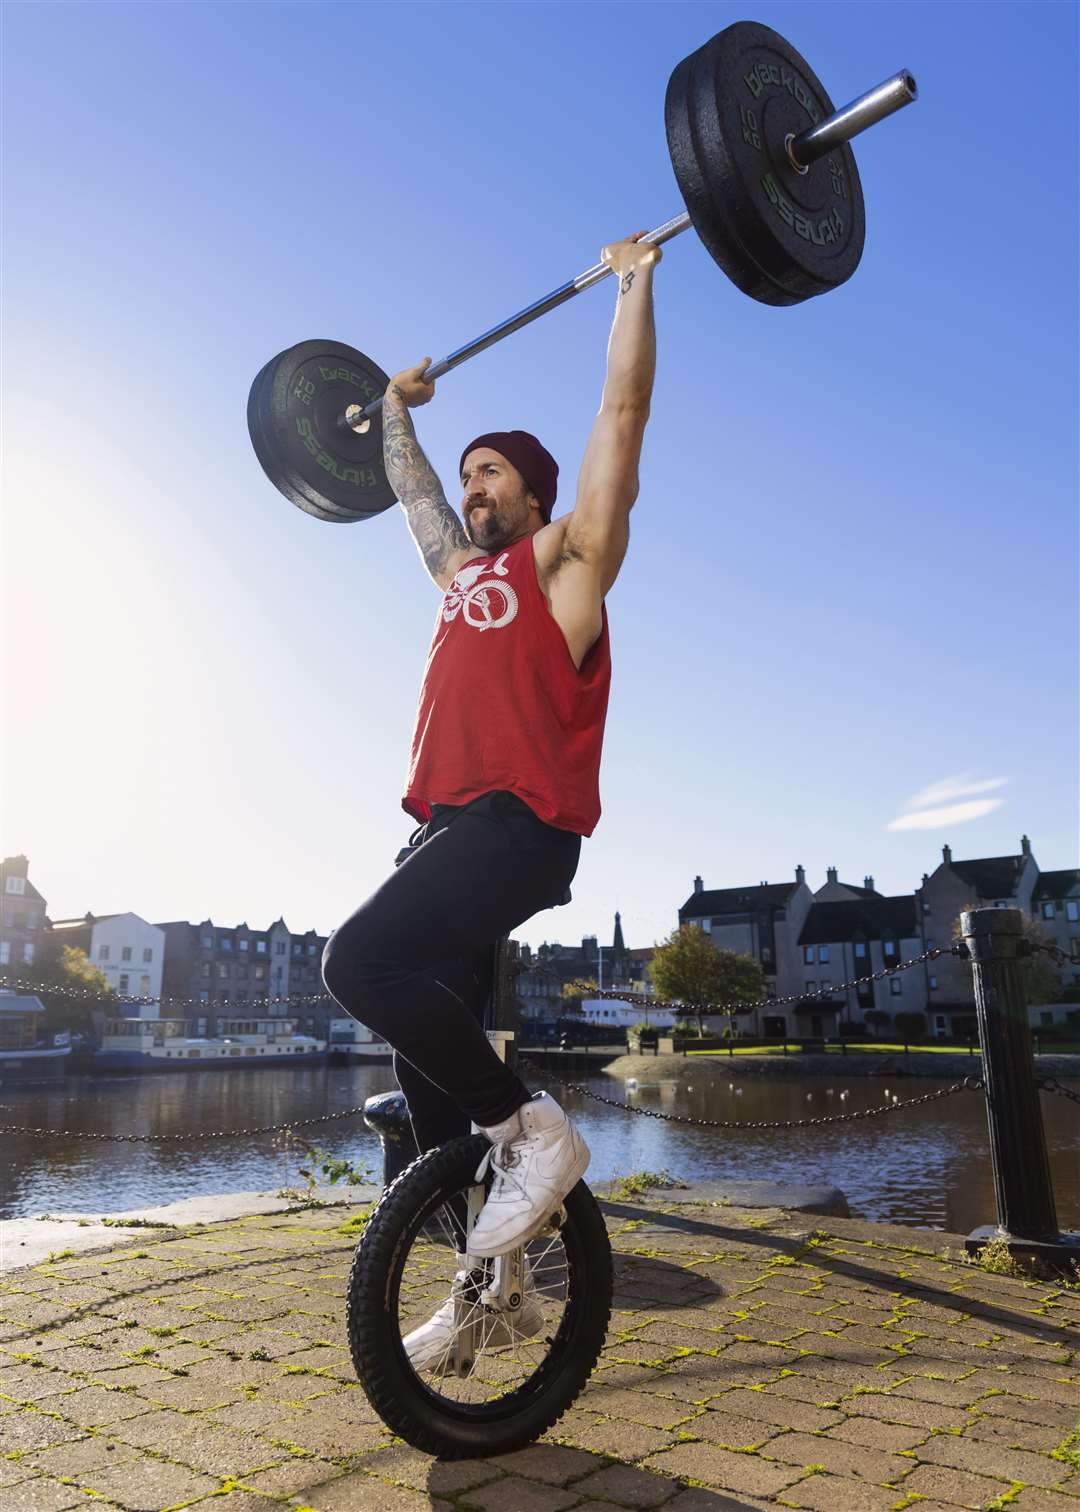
[[779, 235], [263, 440], [294, 407]]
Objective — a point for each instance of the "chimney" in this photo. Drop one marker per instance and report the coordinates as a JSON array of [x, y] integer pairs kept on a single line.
[[699, 885], [1025, 845], [800, 875], [868, 883], [830, 875], [946, 854]]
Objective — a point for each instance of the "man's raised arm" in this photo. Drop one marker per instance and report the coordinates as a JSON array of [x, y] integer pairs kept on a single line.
[[599, 527], [436, 529]]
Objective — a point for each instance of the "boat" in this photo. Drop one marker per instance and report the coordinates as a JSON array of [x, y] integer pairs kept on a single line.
[[353, 1043], [164, 1044], [27, 1053]]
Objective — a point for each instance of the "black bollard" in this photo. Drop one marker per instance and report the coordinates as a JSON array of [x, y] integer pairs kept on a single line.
[[387, 1113], [1027, 1220]]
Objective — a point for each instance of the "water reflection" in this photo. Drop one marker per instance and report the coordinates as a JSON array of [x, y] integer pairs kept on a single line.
[[928, 1167]]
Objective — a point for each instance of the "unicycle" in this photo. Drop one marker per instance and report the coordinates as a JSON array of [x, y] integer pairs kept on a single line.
[[518, 1336]]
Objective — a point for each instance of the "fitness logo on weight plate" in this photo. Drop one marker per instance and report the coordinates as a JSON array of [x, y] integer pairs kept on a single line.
[[484, 603]]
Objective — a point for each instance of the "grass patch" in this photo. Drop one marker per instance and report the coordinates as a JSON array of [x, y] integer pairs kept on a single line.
[[1068, 1451], [639, 1182], [137, 1223]]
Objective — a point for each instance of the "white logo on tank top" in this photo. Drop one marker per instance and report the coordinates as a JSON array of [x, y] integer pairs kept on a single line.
[[485, 603]]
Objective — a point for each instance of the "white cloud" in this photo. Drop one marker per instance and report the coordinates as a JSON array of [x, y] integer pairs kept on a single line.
[[952, 787], [939, 818]]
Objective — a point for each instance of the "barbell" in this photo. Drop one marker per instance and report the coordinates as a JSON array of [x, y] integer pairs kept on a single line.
[[770, 185]]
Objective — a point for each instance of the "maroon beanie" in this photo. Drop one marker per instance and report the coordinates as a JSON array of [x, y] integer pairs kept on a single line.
[[535, 464]]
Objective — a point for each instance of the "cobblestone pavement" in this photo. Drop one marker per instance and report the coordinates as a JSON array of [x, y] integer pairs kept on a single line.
[[753, 1361]]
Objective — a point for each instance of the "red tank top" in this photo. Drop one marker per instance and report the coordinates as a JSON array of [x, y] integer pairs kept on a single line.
[[503, 706]]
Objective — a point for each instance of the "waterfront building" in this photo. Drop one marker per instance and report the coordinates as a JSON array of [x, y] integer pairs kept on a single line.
[[128, 952], [226, 970], [1055, 903], [22, 916]]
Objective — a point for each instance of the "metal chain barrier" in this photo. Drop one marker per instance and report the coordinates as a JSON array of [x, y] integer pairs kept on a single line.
[[1051, 1084], [88, 994], [969, 1084], [1057, 955], [635, 999], [639, 1000], [296, 1123]]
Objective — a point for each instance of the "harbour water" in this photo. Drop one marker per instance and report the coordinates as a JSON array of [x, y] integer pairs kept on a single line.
[[928, 1166]]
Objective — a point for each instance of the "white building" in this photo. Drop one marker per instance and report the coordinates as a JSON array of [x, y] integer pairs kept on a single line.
[[129, 952]]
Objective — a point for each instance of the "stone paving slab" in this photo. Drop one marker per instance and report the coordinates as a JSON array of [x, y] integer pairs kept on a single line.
[[756, 1358]]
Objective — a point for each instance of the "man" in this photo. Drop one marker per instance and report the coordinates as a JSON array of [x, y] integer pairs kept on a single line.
[[505, 759]]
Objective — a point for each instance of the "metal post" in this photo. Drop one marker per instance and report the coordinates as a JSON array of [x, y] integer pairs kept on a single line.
[[1027, 1220]]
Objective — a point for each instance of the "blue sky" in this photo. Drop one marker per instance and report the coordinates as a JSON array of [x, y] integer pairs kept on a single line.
[[850, 595]]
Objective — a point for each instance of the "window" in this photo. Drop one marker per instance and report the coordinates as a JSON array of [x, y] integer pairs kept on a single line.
[[103, 953], [1046, 1020], [125, 954], [279, 948], [206, 941], [933, 984], [860, 950], [16, 885], [147, 955], [144, 986], [926, 910], [1072, 912], [939, 1022], [810, 987], [896, 986], [123, 982], [312, 949], [1048, 910], [808, 955], [5, 952], [823, 954], [260, 947], [242, 945], [706, 925], [766, 955], [889, 946], [226, 943], [929, 944]]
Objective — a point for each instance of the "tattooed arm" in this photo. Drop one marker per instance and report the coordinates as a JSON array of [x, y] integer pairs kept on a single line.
[[437, 530]]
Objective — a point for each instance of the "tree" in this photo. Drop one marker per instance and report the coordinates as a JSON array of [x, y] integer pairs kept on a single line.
[[689, 969], [572, 994], [1040, 982], [65, 968], [911, 1026], [876, 1019]]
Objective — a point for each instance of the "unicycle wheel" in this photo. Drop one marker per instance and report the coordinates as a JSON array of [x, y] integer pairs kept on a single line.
[[495, 1380]]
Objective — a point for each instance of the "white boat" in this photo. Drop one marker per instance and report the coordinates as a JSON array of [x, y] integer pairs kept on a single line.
[[162, 1044], [351, 1041]]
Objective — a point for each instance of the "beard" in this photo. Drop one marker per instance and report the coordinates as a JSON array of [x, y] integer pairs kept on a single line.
[[492, 528]]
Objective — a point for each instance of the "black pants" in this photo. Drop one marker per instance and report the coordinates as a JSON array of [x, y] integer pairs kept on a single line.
[[414, 963]]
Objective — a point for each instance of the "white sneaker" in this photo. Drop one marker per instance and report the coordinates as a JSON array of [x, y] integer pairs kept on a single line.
[[430, 1347], [537, 1156]]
